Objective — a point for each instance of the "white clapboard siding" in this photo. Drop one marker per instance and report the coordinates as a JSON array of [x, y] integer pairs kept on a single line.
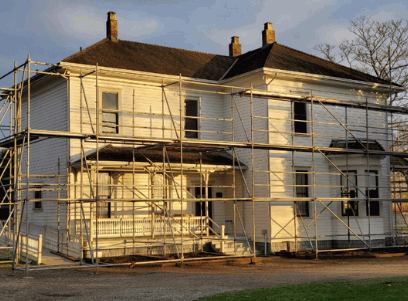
[[48, 112]]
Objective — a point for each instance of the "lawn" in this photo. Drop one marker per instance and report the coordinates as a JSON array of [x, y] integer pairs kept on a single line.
[[389, 289]]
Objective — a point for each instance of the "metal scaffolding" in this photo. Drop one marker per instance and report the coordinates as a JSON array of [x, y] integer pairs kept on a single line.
[[78, 188]]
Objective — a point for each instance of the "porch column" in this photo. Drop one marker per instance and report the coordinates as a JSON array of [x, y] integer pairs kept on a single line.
[[206, 176]]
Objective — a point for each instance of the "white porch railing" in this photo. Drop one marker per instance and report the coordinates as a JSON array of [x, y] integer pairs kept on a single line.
[[121, 227]]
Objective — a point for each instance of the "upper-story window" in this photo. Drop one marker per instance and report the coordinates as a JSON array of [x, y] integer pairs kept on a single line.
[[373, 193], [300, 115], [110, 115], [191, 124]]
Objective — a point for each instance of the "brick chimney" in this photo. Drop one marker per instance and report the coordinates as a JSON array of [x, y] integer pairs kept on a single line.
[[112, 27], [268, 35], [234, 47]]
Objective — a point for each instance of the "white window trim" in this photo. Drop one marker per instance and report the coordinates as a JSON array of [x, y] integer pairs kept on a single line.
[[308, 122], [120, 121], [198, 99], [310, 191]]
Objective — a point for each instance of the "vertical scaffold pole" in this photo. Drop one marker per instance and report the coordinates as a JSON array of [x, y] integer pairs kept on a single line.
[[292, 117], [233, 171], [133, 175], [81, 243], [314, 175], [15, 129], [28, 156], [253, 172], [181, 169], [368, 201], [97, 167], [58, 207]]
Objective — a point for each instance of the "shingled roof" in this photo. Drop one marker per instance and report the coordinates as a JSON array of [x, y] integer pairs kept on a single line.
[[281, 57], [173, 61], [153, 58]]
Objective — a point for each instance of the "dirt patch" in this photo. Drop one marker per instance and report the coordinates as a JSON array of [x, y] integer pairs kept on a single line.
[[190, 281], [374, 253], [162, 261]]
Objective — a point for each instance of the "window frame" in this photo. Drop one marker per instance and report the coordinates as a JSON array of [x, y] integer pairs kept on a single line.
[[186, 117], [109, 196], [376, 203], [300, 122], [118, 113], [37, 205], [353, 204], [302, 171]]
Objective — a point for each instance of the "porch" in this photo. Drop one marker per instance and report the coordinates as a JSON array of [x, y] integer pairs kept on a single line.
[[146, 227]]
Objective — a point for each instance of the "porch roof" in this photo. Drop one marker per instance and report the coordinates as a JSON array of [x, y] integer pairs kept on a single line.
[[352, 143], [191, 155], [398, 164]]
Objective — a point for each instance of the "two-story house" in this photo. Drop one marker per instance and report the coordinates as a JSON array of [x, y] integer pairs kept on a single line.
[[158, 150]]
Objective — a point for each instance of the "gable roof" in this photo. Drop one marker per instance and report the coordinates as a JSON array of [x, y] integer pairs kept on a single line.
[[281, 57], [153, 58], [174, 61]]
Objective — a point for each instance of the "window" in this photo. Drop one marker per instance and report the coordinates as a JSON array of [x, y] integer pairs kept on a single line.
[[38, 195], [373, 193], [110, 116], [104, 192], [299, 109], [349, 190], [302, 191], [191, 124], [160, 193]]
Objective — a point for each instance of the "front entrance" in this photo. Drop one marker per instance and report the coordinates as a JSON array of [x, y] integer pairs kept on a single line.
[[200, 206]]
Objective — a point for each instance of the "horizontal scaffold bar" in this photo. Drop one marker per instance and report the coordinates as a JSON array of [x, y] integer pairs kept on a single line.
[[199, 143], [326, 101], [256, 199]]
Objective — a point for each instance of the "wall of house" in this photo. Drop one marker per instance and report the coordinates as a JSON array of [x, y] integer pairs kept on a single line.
[[243, 117], [147, 102], [47, 157], [326, 128]]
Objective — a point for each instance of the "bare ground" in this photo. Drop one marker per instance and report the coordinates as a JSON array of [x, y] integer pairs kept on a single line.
[[189, 282]]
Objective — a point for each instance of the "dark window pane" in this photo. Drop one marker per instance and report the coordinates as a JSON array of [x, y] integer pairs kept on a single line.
[[104, 210], [373, 193], [374, 208], [300, 114], [302, 191], [191, 123]]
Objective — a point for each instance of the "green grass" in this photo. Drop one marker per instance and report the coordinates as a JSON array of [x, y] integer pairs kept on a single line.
[[389, 289]]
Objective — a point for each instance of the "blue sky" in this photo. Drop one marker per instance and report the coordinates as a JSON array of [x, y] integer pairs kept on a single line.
[[52, 30]]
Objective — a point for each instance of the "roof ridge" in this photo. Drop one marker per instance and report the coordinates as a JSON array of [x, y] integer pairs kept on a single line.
[[175, 48], [85, 50], [269, 54]]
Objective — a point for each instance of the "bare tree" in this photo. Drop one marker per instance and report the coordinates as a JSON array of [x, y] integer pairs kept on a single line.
[[377, 48]]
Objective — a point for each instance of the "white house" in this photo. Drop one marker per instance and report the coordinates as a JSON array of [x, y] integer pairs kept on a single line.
[[159, 149]]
